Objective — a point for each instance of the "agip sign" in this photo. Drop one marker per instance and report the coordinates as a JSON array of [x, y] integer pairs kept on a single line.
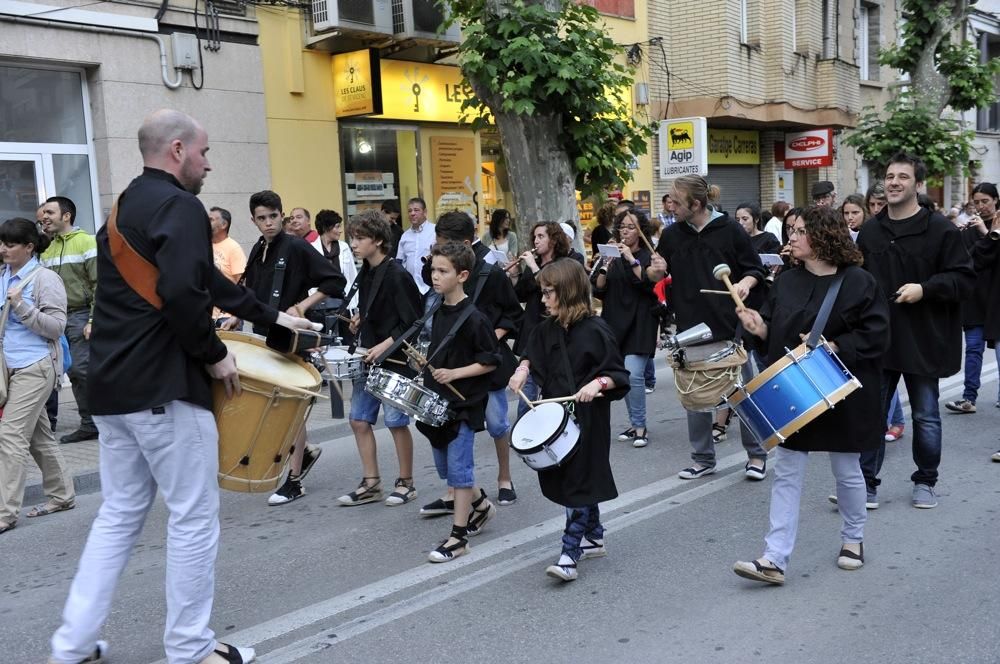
[[683, 147], [809, 149]]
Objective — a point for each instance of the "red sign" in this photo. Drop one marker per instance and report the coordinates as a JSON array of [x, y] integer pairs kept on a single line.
[[809, 149]]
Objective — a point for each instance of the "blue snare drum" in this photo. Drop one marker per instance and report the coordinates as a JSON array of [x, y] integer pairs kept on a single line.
[[792, 392]]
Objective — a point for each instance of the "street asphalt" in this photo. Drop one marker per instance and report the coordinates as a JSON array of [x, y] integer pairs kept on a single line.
[[316, 582]]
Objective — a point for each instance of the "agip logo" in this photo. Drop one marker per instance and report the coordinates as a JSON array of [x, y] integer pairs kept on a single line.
[[680, 136]]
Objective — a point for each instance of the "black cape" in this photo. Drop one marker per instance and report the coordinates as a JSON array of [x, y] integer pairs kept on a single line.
[[859, 325], [592, 350], [630, 305]]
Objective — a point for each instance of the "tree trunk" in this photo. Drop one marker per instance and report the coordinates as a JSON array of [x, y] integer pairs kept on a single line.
[[931, 89]]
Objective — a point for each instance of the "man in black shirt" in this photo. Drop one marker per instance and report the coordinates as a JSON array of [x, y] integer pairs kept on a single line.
[[281, 270], [151, 358], [920, 262]]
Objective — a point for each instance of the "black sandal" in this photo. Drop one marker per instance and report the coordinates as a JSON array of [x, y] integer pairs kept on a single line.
[[444, 553], [719, 430], [364, 493], [754, 571], [479, 517], [403, 492]]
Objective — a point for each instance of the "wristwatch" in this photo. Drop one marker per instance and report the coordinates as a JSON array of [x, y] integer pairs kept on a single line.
[[636, 262], [603, 381]]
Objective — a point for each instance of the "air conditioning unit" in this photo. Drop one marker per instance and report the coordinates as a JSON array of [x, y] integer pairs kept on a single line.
[[352, 16], [420, 20]]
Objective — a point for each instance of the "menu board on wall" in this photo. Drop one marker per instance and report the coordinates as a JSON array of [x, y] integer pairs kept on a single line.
[[453, 160]]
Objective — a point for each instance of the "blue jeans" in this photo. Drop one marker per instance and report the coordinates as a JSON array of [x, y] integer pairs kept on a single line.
[[926, 414], [635, 400], [650, 373], [455, 462], [581, 522], [974, 347], [497, 422], [896, 411], [531, 391]]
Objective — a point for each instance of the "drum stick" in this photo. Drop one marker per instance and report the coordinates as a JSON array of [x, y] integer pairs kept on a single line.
[[418, 356], [645, 239], [715, 292], [732, 291], [526, 400], [559, 399]]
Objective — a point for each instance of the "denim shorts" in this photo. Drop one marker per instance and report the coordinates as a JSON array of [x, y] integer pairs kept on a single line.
[[455, 462], [497, 422], [364, 408]]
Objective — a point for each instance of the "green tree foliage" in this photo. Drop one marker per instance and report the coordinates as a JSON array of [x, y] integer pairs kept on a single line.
[[526, 58], [944, 74]]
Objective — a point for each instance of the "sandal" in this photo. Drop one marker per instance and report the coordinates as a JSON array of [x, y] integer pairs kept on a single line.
[[7, 525], [364, 493], [444, 553], [50, 507], [479, 517], [403, 492], [754, 571], [719, 430], [849, 560]]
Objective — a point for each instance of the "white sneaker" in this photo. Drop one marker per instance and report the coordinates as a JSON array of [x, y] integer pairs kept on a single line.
[[564, 570]]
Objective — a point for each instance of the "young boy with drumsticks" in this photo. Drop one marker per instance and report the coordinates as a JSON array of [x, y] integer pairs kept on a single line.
[[462, 354], [592, 375]]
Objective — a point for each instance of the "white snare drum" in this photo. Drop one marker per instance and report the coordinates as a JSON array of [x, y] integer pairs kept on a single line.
[[342, 365], [546, 436], [409, 396]]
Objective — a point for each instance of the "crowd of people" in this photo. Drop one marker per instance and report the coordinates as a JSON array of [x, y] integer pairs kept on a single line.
[[888, 283]]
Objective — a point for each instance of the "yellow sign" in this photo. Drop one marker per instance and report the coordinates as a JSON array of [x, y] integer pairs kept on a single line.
[[423, 92], [680, 136], [734, 147], [356, 91]]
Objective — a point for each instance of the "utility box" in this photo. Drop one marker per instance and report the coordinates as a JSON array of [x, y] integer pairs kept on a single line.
[[185, 48]]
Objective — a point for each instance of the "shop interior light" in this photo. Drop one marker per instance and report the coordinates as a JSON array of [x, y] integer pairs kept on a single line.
[[364, 147]]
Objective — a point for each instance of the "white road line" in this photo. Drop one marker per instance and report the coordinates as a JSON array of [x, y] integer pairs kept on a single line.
[[336, 634], [382, 588]]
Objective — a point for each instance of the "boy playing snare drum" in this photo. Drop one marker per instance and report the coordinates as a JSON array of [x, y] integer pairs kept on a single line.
[[594, 374], [463, 351]]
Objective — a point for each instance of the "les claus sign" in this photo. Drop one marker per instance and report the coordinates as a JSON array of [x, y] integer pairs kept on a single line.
[[809, 149]]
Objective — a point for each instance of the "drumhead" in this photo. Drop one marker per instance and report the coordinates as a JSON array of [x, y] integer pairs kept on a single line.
[[339, 353], [255, 360], [537, 426]]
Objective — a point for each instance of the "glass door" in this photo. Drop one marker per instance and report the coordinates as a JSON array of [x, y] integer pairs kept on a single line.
[[21, 185]]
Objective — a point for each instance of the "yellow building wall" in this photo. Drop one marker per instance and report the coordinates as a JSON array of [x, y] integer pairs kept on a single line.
[[302, 129]]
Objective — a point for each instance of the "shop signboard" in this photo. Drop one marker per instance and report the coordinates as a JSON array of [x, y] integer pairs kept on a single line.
[[453, 159], [784, 186], [643, 201], [370, 185], [356, 83], [423, 92], [733, 147], [683, 147], [809, 149]]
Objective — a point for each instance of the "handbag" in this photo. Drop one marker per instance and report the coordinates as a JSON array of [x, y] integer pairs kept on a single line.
[[4, 376]]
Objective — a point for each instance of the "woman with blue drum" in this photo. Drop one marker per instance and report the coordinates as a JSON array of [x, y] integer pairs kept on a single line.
[[857, 330]]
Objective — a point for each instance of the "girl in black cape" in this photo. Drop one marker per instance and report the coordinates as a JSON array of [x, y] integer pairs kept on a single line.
[[857, 330], [575, 353]]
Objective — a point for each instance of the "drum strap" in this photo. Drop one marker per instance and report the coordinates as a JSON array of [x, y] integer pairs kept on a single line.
[[350, 295], [434, 302], [824, 311], [140, 275], [484, 274], [464, 316]]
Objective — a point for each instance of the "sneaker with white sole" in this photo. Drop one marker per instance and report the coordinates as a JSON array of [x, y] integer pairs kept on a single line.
[[755, 473], [641, 439], [628, 434], [961, 406], [849, 560], [694, 472], [996, 456], [871, 500], [564, 570], [289, 492], [924, 497]]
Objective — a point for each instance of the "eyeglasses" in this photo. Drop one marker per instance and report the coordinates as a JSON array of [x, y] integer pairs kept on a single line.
[[797, 231], [548, 292]]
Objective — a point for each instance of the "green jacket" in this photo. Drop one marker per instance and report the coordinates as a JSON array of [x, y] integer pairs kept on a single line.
[[73, 257]]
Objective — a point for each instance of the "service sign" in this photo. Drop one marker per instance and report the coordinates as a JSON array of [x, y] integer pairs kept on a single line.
[[357, 88], [809, 149], [683, 147]]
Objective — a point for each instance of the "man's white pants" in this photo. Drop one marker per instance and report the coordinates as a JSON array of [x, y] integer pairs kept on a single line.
[[173, 448]]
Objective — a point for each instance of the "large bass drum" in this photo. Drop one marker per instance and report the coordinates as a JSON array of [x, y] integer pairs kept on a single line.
[[258, 428]]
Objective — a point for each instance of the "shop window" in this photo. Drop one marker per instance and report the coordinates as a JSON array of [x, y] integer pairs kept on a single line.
[[45, 147], [380, 164]]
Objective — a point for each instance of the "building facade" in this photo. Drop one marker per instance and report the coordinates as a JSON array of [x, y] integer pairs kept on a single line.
[[76, 83], [771, 76]]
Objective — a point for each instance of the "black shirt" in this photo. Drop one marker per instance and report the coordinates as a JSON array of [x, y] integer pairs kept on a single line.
[[389, 305], [305, 268], [141, 357]]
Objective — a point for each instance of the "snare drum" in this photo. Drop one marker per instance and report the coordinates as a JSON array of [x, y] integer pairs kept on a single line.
[[792, 392], [258, 428], [341, 364], [546, 436], [409, 396], [421, 346]]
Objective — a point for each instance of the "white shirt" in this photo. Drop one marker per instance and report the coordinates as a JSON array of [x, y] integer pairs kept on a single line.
[[347, 265], [774, 227], [414, 245]]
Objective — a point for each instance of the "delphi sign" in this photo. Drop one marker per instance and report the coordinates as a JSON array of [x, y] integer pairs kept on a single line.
[[683, 147], [809, 149]]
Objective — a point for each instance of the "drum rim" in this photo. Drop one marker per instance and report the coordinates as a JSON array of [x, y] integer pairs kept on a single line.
[[548, 441]]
